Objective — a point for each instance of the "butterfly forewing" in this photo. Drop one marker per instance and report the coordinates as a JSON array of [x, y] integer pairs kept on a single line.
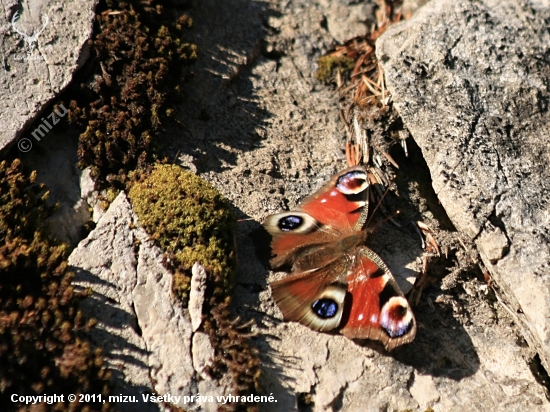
[[342, 204], [338, 207]]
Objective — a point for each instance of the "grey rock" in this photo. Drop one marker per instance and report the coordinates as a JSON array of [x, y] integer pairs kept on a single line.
[[55, 162], [345, 22], [424, 391], [89, 193], [493, 242], [106, 261], [145, 335], [203, 354], [273, 137], [410, 6], [42, 47], [36, 65], [196, 295], [470, 80]]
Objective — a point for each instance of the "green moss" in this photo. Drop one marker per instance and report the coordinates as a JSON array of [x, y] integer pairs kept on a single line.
[[327, 64], [190, 220], [41, 351]]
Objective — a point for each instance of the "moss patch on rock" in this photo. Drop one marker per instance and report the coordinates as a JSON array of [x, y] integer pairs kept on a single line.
[[191, 221], [140, 58], [328, 64], [41, 351]]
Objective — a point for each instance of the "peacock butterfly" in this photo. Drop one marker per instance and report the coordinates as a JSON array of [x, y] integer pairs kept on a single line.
[[336, 283]]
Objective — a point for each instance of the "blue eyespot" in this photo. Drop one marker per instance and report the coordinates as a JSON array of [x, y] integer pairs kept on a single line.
[[325, 308], [288, 223]]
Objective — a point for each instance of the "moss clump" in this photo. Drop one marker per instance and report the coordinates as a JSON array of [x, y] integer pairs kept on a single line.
[[327, 64], [141, 55], [40, 350], [235, 358], [190, 220]]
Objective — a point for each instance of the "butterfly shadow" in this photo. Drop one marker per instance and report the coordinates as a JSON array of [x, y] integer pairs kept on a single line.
[[441, 348], [252, 254]]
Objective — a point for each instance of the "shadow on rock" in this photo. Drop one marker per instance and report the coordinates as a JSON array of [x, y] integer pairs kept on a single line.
[[250, 283], [442, 346], [121, 349], [220, 116]]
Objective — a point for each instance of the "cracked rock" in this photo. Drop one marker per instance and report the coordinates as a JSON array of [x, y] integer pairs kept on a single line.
[[273, 136], [424, 391], [347, 21], [279, 141], [196, 295], [472, 86], [144, 333], [203, 354], [493, 243], [40, 52]]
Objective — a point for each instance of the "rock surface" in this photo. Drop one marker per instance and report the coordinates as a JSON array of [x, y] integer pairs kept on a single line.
[[33, 72], [147, 338], [71, 188], [36, 65], [471, 82], [266, 133], [261, 128]]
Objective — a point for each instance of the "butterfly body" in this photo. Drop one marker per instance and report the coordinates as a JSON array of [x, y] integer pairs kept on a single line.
[[336, 283]]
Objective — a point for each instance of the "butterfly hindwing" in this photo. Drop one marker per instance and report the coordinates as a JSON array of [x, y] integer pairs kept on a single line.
[[315, 298], [378, 308], [367, 304]]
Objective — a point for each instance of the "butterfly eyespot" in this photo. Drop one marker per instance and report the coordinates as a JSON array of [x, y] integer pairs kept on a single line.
[[352, 183], [288, 223], [396, 318], [325, 308]]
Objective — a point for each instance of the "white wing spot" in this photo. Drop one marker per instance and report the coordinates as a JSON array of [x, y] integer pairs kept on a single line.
[[334, 193], [323, 200], [360, 317], [374, 318]]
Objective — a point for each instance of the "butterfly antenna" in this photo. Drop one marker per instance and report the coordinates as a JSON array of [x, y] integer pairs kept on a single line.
[[387, 218], [378, 205], [244, 220]]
